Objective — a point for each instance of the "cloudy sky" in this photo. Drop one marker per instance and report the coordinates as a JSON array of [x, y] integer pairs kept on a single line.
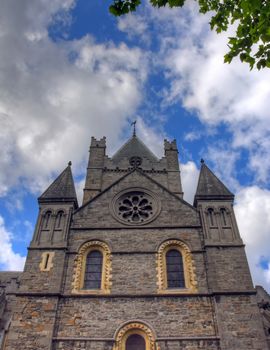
[[69, 70]]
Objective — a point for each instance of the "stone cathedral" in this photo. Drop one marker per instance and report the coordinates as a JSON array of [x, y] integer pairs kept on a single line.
[[135, 267]]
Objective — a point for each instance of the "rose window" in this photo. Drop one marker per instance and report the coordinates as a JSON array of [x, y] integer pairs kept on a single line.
[[135, 207], [135, 161]]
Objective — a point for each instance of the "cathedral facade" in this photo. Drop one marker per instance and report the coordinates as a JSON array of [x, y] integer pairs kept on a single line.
[[135, 267]]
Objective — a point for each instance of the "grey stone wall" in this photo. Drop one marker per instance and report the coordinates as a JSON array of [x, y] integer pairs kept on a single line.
[[239, 323], [99, 317], [32, 323], [134, 260], [34, 280], [228, 269]]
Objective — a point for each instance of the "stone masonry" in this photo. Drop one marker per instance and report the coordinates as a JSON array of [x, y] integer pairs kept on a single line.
[[133, 212]]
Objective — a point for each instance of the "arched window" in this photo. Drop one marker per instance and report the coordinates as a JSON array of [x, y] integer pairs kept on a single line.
[[210, 212], [223, 216], [135, 342], [175, 271], [46, 220], [93, 270], [59, 219]]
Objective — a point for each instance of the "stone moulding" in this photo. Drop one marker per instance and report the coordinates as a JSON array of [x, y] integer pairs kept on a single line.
[[135, 328], [189, 269], [79, 268], [46, 263]]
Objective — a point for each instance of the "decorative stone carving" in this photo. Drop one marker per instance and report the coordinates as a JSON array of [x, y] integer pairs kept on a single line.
[[189, 269], [135, 206], [135, 328], [135, 161], [79, 268]]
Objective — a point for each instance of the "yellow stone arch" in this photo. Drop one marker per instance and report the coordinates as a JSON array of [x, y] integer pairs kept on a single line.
[[135, 328], [189, 269], [79, 268]]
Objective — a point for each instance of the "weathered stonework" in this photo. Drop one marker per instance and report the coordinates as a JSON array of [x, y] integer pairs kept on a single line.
[[46, 307]]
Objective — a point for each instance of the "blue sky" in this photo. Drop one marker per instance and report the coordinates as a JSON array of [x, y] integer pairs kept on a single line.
[[69, 70]]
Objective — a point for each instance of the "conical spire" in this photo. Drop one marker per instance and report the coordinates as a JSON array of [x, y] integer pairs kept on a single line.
[[134, 147], [210, 187], [62, 189]]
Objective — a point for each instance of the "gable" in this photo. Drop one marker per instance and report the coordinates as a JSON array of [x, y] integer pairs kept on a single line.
[[159, 207]]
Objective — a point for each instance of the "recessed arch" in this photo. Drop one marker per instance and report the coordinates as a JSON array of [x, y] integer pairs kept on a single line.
[[132, 332], [189, 285], [80, 268]]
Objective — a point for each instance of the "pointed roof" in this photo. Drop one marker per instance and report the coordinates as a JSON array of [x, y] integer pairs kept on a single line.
[[62, 189], [210, 187], [134, 147]]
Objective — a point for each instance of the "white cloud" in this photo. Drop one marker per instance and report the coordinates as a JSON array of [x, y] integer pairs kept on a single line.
[[224, 161], [189, 177], [55, 95], [192, 58], [9, 260], [134, 26], [252, 211], [218, 92]]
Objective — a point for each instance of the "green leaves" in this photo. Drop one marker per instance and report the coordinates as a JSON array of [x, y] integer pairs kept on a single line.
[[251, 42], [121, 7]]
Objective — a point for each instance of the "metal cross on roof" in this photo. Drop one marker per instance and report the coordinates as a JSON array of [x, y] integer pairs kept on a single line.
[[134, 127]]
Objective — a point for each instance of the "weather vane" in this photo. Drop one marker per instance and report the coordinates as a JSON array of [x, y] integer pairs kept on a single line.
[[134, 127]]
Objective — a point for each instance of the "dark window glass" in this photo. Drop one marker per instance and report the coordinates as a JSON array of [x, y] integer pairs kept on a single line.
[[93, 270], [175, 271], [135, 342]]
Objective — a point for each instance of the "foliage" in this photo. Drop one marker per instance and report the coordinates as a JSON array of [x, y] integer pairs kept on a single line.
[[251, 42]]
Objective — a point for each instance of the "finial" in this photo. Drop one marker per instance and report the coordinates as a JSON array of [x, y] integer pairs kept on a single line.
[[134, 128], [69, 163], [202, 161]]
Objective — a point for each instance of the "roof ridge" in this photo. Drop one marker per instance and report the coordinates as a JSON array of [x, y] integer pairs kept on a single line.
[[61, 188], [210, 186], [128, 149], [125, 175]]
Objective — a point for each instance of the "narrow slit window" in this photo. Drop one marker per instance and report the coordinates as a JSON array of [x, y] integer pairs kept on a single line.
[[211, 216], [135, 342], [175, 271], [46, 219], [223, 216], [59, 219], [93, 270], [46, 261]]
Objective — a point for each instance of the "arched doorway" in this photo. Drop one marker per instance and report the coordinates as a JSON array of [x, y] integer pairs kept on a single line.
[[135, 336], [135, 342]]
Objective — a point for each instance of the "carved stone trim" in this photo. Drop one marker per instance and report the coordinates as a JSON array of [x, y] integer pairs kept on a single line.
[[189, 269], [46, 261], [79, 268], [135, 328], [151, 198]]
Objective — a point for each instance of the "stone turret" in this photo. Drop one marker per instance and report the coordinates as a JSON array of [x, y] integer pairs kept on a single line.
[[93, 181], [215, 203], [56, 205], [171, 155], [46, 257]]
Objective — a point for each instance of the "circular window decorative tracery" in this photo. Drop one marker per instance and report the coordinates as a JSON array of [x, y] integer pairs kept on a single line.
[[135, 161], [135, 207]]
